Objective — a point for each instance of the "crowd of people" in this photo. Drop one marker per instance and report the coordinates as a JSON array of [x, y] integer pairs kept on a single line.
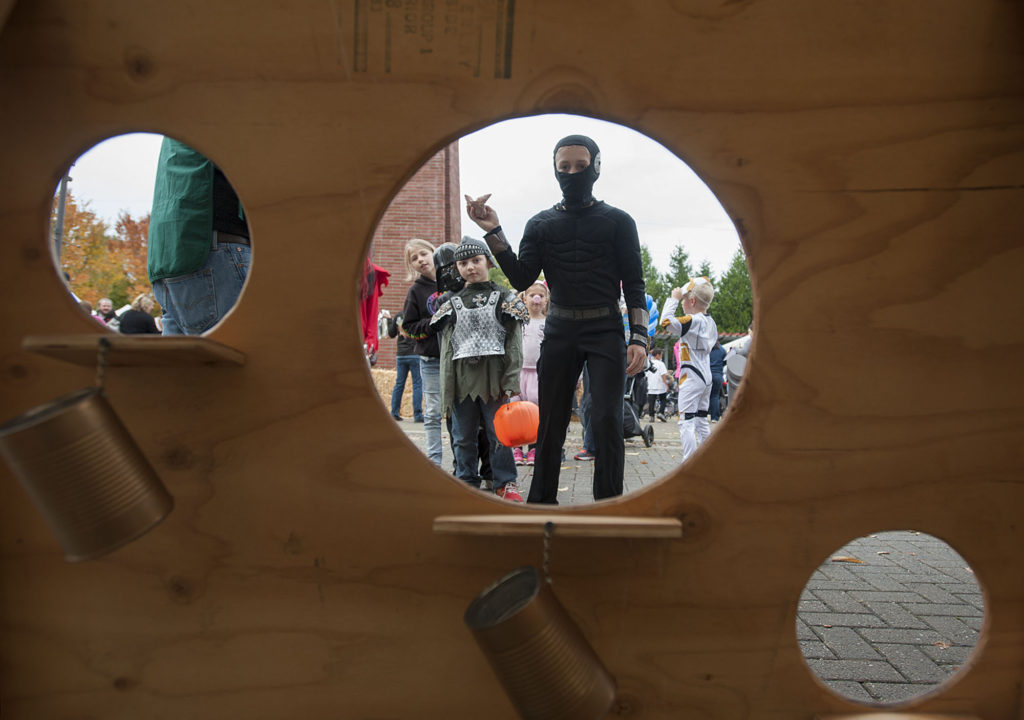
[[480, 345], [135, 318], [571, 337]]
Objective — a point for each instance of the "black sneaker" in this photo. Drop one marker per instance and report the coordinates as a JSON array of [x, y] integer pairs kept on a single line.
[[397, 418], [584, 455]]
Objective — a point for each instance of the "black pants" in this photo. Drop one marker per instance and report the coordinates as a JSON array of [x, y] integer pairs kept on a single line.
[[567, 345], [656, 400]]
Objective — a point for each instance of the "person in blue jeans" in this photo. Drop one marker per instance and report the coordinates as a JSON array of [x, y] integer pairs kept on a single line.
[[481, 359], [717, 359], [420, 305], [407, 363], [586, 402], [198, 248]]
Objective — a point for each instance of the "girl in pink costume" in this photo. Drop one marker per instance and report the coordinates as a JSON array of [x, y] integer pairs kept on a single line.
[[536, 299]]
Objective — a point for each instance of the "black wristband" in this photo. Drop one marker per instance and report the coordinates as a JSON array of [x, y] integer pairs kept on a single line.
[[493, 231]]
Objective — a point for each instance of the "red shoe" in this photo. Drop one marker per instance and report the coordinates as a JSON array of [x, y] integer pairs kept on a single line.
[[530, 455], [509, 492], [517, 455]]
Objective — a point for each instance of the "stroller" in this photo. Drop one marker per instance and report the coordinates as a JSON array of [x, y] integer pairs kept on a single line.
[[632, 403]]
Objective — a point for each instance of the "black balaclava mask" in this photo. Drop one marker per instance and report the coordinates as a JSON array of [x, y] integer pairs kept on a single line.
[[577, 187]]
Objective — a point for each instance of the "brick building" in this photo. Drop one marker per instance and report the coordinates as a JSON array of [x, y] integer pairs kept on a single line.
[[429, 206]]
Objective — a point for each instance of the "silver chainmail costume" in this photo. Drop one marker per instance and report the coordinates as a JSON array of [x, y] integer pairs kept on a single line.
[[477, 331]]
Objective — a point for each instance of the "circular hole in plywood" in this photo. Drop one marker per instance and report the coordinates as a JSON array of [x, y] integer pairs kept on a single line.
[[150, 236], [889, 617], [683, 233]]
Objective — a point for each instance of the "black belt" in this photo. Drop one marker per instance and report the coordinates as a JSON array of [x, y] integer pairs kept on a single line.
[[219, 236], [582, 313]]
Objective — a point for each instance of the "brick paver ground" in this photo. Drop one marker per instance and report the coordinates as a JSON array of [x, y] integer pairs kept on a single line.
[[890, 627], [889, 617]]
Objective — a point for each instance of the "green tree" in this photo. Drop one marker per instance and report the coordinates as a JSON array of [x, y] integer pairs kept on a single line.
[[705, 271], [652, 278], [495, 275], [733, 306], [679, 269]]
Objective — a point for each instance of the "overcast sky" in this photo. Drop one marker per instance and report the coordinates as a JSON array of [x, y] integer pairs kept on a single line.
[[512, 161]]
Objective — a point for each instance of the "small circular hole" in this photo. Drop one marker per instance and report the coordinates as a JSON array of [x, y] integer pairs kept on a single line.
[[889, 617], [150, 236]]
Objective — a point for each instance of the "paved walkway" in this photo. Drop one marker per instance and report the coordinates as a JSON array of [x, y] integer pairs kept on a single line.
[[893, 625], [575, 481], [884, 619]]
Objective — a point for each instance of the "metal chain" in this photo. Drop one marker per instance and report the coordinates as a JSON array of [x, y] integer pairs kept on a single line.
[[549, 529], [101, 361]]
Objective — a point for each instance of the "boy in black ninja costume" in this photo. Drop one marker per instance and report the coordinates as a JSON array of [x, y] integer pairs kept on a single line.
[[481, 356], [587, 250]]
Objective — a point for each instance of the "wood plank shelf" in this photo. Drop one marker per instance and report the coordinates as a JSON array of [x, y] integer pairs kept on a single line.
[[897, 716], [134, 350], [594, 526]]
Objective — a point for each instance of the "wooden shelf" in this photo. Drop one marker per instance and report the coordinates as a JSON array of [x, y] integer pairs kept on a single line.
[[595, 526], [895, 715], [134, 350]]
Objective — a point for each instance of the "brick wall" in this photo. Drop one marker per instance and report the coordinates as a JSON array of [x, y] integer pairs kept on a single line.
[[428, 206]]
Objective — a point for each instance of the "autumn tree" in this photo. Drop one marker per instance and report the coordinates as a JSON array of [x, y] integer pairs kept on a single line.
[[84, 254], [130, 245], [101, 263]]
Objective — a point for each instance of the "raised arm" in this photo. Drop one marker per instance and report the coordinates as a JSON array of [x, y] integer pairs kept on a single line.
[[481, 213]]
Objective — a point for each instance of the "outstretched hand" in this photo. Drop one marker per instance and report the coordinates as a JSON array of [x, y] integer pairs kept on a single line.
[[481, 213]]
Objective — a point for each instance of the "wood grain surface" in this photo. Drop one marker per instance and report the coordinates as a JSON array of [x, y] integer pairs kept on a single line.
[[871, 155]]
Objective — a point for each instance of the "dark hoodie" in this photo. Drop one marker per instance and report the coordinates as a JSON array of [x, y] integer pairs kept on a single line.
[[420, 305]]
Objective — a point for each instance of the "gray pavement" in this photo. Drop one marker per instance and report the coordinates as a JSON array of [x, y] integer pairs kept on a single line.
[[884, 619], [575, 481]]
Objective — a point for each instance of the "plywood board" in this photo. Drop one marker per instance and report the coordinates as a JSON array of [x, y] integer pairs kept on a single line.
[[869, 155]]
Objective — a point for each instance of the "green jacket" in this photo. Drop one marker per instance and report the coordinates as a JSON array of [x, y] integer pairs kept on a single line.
[[181, 222]]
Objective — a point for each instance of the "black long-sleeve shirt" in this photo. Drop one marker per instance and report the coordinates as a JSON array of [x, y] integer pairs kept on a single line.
[[585, 254]]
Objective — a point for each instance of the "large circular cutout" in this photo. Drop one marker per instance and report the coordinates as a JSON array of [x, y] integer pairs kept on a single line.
[[150, 236], [889, 617], [683, 234]]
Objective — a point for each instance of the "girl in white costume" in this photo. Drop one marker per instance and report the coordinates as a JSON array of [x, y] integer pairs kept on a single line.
[[697, 333]]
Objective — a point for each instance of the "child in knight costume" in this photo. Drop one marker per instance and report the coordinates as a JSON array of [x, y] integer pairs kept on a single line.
[[481, 357], [449, 281]]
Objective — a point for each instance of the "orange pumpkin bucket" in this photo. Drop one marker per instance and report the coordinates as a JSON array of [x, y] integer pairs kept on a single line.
[[516, 423]]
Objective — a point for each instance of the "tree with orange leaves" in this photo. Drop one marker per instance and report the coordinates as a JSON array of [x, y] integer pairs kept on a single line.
[[99, 263]]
